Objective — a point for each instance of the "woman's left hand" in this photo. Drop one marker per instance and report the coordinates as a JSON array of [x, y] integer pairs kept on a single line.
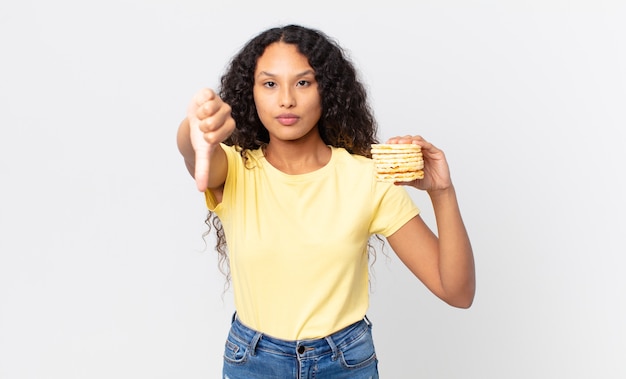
[[436, 170]]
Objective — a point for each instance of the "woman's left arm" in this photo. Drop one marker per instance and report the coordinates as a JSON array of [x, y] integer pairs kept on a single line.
[[444, 263]]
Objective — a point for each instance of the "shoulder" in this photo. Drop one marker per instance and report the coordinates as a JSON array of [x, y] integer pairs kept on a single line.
[[242, 157], [362, 170], [343, 156], [355, 169]]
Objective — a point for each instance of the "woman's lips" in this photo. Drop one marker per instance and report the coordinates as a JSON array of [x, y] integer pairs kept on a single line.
[[287, 119]]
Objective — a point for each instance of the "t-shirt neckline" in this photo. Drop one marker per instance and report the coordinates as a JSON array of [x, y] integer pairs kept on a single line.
[[297, 177]]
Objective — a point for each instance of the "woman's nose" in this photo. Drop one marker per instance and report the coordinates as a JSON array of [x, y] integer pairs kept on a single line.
[[287, 100]]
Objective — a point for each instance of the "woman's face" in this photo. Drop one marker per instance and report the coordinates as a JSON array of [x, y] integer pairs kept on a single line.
[[286, 94]]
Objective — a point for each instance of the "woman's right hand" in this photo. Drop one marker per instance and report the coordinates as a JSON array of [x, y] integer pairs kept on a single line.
[[210, 123]]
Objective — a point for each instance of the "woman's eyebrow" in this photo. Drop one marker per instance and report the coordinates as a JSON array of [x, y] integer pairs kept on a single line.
[[303, 73]]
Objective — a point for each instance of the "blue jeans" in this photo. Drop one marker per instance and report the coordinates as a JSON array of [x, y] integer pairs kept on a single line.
[[346, 354]]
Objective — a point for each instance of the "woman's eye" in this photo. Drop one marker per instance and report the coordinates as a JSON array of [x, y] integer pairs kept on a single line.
[[269, 84], [303, 83]]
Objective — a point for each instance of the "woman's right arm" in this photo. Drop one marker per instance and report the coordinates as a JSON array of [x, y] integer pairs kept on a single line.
[[208, 123]]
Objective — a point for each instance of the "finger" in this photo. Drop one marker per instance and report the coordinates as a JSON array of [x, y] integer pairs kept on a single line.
[[209, 108], [202, 97], [429, 147], [217, 118], [226, 129], [414, 183], [405, 139]]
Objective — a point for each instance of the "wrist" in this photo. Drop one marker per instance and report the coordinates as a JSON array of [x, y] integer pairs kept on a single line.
[[442, 193]]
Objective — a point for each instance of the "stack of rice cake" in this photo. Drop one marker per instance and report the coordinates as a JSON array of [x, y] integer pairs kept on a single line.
[[398, 162]]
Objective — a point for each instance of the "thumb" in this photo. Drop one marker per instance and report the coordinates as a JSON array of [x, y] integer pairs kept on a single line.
[[202, 167]]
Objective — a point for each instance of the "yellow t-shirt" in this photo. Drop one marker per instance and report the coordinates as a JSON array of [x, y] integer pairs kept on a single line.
[[298, 243]]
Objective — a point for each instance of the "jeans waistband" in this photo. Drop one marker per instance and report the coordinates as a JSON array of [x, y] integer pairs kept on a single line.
[[307, 348]]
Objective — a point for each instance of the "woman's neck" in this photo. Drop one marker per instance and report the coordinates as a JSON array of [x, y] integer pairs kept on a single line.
[[297, 157]]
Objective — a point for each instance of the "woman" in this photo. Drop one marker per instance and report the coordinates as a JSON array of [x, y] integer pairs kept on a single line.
[[282, 154]]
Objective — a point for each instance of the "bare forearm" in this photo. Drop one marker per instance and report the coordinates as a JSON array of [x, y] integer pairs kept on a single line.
[[185, 148], [456, 260]]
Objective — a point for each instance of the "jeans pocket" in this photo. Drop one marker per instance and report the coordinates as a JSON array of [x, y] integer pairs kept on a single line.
[[235, 351], [359, 352]]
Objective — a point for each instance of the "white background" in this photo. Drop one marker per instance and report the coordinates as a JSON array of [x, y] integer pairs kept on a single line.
[[102, 268]]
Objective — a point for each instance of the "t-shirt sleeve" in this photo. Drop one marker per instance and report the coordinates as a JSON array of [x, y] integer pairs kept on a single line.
[[234, 160], [393, 208]]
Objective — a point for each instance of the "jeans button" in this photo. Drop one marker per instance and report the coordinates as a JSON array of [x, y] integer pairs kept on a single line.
[[300, 349]]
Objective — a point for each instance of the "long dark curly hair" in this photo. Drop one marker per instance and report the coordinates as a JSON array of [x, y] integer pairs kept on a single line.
[[347, 120]]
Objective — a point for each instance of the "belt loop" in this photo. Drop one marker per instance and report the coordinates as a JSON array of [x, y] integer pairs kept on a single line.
[[254, 342], [333, 347], [367, 321]]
